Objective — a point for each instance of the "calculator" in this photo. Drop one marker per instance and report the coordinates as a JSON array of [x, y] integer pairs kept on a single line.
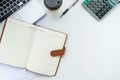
[[99, 8]]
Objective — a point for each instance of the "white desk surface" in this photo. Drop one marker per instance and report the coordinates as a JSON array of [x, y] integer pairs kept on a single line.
[[93, 48]]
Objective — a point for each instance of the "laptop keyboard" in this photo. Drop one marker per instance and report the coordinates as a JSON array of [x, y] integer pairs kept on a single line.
[[8, 7]]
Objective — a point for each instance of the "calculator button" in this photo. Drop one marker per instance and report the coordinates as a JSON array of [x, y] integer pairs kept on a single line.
[[94, 11], [88, 5], [99, 1], [102, 14], [105, 11], [105, 1], [91, 8], [86, 2], [97, 13], [99, 17]]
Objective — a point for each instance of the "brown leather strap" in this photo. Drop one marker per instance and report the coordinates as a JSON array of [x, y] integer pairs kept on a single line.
[[59, 52], [3, 30]]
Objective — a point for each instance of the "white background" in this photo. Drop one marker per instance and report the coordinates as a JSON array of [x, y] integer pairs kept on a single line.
[[93, 48]]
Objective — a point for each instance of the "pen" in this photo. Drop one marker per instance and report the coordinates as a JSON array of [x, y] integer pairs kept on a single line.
[[69, 8]]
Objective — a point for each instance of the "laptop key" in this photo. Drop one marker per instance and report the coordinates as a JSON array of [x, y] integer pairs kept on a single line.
[[14, 0], [14, 4], [18, 6], [8, 9], [5, 11], [4, 2], [18, 2], [4, 7], [2, 13], [7, 0], [24, 2], [11, 6], [11, 2], [4, 17], [1, 4], [14, 9], [7, 4], [1, 9]]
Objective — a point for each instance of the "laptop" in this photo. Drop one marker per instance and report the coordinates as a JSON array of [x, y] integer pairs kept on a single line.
[[26, 10]]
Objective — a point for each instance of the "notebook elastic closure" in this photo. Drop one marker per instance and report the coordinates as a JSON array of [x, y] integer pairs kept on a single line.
[[58, 52]]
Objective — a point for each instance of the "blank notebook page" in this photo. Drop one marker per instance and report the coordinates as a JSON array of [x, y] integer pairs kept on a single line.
[[16, 43], [40, 60]]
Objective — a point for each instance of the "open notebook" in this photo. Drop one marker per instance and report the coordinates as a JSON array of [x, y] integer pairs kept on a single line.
[[29, 46]]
